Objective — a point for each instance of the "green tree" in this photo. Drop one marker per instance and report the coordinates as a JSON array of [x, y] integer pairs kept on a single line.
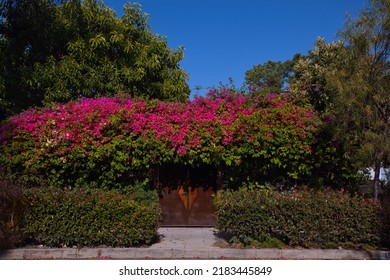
[[270, 77], [310, 83], [348, 81], [26, 36], [56, 51], [363, 105]]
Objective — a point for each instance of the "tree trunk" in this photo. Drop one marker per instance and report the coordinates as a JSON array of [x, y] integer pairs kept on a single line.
[[376, 181]]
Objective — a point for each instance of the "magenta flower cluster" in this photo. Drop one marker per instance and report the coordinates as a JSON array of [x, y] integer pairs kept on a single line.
[[216, 119], [223, 127]]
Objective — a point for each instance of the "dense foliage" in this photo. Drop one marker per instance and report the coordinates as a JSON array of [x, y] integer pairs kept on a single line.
[[347, 83], [57, 51], [56, 218], [115, 142], [325, 219], [272, 76]]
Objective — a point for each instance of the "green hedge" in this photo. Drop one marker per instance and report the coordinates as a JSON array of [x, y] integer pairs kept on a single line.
[[11, 214], [324, 219], [56, 217]]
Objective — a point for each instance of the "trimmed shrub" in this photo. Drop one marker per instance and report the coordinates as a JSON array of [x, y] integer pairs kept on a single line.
[[324, 219], [62, 217], [11, 214]]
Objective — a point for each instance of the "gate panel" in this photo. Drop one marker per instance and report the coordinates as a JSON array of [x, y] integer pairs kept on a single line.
[[186, 194], [187, 206]]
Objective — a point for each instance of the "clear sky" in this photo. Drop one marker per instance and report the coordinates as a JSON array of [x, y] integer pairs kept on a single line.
[[225, 38]]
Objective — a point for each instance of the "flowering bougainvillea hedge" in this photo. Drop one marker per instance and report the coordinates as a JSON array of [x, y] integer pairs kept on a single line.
[[116, 142]]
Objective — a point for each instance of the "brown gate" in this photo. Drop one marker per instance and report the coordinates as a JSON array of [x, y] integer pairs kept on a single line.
[[186, 197], [186, 206]]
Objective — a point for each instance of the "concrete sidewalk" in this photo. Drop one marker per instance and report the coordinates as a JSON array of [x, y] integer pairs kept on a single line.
[[189, 243]]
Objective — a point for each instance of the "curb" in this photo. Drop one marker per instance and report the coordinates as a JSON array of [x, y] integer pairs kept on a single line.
[[212, 253]]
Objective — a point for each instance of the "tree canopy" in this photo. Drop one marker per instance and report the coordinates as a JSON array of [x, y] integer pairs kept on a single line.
[[348, 83], [271, 76], [363, 105], [56, 51]]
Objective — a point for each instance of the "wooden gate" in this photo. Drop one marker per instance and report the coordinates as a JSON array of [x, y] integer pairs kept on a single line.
[[187, 207], [186, 197]]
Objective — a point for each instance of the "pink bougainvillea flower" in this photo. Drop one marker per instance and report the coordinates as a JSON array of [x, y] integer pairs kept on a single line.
[[220, 126]]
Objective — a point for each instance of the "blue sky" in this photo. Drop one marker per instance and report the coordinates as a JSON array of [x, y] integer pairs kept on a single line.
[[225, 38]]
